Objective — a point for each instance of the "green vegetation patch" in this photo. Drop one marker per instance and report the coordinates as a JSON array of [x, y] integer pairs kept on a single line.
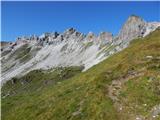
[[38, 79]]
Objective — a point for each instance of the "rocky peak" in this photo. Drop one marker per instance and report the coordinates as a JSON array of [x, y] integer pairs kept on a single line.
[[53, 35], [90, 36], [134, 18], [77, 34], [69, 31], [67, 34], [72, 34], [134, 27], [105, 36]]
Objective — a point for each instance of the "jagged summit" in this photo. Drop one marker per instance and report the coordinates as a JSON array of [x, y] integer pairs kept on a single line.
[[106, 36], [133, 27], [134, 17], [90, 36], [69, 31], [72, 33]]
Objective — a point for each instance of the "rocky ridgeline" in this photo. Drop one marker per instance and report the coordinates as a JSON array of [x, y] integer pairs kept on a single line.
[[70, 48], [133, 28], [55, 37], [136, 27]]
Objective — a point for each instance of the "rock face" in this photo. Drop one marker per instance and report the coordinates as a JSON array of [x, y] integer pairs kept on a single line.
[[91, 36], [105, 37], [70, 48], [134, 27]]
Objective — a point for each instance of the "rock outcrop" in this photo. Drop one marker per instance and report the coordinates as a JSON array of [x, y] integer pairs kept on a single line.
[[134, 27], [105, 37]]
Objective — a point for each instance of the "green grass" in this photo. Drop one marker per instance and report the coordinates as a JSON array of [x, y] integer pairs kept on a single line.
[[106, 50], [87, 92], [38, 79]]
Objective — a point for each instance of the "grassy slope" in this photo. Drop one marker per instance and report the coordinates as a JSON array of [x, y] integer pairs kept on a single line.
[[85, 96]]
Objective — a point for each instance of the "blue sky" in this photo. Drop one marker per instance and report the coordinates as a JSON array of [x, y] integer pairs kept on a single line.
[[26, 18]]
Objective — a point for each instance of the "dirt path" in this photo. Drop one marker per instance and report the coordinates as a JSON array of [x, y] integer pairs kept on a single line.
[[114, 91], [116, 86]]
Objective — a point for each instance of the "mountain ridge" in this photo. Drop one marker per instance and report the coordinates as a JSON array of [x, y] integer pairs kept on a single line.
[[70, 48]]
